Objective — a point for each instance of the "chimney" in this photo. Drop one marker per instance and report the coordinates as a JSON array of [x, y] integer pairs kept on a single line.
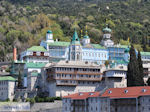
[[15, 54]]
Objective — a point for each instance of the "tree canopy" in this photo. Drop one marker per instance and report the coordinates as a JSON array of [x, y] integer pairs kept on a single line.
[[24, 22]]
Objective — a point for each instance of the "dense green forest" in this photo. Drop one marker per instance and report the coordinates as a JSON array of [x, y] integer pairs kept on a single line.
[[23, 23]]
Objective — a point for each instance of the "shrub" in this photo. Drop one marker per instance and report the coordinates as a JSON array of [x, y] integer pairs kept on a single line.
[[14, 100], [58, 98], [7, 100], [27, 99], [32, 100]]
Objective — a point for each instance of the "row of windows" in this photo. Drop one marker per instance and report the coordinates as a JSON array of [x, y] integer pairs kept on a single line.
[[3, 82], [79, 82], [4, 88], [69, 75], [94, 54], [37, 58], [78, 69], [145, 57]]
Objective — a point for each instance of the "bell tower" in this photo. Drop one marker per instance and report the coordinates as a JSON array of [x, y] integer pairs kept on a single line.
[[49, 36], [106, 41], [75, 48], [86, 39]]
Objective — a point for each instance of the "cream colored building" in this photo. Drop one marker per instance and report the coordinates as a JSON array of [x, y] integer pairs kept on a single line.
[[7, 87], [68, 77], [115, 77]]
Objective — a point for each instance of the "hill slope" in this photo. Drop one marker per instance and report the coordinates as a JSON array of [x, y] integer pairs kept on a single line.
[[24, 23]]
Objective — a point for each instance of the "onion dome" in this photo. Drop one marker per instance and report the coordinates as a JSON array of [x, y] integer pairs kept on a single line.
[[127, 50], [108, 30], [49, 31], [86, 37]]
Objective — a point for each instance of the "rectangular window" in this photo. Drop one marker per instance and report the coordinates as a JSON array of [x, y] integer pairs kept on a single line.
[[34, 53], [42, 53]]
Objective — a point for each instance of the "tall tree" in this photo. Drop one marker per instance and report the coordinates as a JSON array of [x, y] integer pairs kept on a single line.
[[148, 81], [134, 76], [19, 80], [140, 76], [144, 44], [132, 67]]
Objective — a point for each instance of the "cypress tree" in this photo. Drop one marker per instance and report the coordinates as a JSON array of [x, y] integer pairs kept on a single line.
[[140, 76], [148, 81], [19, 80], [132, 68], [144, 44], [133, 72]]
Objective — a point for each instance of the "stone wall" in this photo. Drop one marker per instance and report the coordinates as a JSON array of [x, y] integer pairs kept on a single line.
[[47, 107]]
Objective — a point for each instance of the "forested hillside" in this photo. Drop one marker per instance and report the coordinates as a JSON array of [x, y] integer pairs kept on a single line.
[[23, 23]]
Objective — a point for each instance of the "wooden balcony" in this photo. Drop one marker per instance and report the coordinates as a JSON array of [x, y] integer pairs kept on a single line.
[[78, 72], [80, 79], [66, 84]]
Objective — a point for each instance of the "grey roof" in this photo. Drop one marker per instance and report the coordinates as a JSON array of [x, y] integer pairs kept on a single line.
[[74, 64]]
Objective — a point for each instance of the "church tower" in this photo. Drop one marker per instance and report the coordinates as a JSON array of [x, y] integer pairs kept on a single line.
[[86, 39], [75, 48], [49, 36], [106, 41]]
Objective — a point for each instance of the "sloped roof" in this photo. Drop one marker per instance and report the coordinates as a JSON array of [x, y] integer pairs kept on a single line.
[[145, 53], [82, 95], [34, 74], [98, 46], [76, 64], [75, 38], [128, 92], [59, 43], [7, 78], [35, 65], [36, 48]]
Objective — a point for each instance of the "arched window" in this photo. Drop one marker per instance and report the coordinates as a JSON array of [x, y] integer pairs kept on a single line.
[[78, 57]]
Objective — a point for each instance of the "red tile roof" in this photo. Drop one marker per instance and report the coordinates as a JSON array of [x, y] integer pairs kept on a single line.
[[114, 93], [128, 92], [83, 95]]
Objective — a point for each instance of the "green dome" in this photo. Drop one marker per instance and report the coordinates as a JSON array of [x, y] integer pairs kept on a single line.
[[49, 31], [127, 50], [86, 36], [107, 30]]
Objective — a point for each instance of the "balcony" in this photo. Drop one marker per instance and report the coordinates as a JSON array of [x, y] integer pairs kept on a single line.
[[66, 84], [79, 79], [79, 72]]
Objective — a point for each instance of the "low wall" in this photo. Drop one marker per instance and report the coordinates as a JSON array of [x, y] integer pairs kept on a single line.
[[47, 107]]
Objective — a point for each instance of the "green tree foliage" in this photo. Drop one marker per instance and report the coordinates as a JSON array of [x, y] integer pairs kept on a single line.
[[134, 75], [19, 80], [141, 71], [148, 81], [24, 22], [132, 68]]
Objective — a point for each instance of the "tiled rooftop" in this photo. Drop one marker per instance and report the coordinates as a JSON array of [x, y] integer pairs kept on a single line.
[[35, 65], [83, 95], [145, 53], [37, 48], [7, 78], [128, 92], [114, 93], [77, 64]]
